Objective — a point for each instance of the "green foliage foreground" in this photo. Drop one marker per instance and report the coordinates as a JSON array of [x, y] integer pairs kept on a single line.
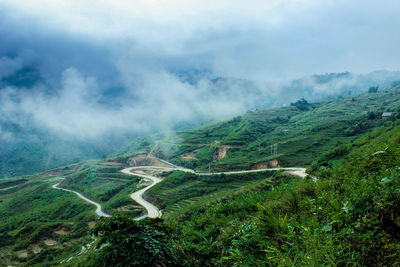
[[132, 243], [350, 216]]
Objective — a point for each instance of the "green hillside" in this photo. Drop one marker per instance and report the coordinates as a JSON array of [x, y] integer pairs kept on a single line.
[[40, 224], [349, 216], [301, 132]]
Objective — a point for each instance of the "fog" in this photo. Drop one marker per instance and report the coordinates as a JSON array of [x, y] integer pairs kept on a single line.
[[143, 66]]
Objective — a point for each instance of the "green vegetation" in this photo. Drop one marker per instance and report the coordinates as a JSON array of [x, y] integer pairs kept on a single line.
[[301, 104], [107, 186], [180, 189], [373, 89], [301, 134], [349, 216], [43, 225], [40, 224], [131, 243], [7, 183]]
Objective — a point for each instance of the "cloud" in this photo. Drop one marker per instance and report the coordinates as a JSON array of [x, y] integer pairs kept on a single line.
[[257, 39], [9, 66], [129, 65], [76, 108]]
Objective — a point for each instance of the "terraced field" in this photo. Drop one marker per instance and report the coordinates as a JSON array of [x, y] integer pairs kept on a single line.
[[300, 134], [105, 184], [38, 220], [180, 189]]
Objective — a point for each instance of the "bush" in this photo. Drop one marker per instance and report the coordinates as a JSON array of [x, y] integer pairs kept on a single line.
[[301, 104], [132, 243], [373, 89]]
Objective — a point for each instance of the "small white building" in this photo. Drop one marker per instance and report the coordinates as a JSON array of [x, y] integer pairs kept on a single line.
[[387, 114]]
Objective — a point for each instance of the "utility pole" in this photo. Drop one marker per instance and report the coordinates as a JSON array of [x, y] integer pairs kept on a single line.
[[274, 149]]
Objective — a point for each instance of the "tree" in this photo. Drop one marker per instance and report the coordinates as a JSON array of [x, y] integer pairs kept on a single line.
[[372, 115], [373, 89], [301, 104], [126, 242]]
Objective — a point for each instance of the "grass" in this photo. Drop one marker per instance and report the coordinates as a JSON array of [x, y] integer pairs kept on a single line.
[[180, 189], [301, 135], [32, 213], [107, 186], [349, 217]]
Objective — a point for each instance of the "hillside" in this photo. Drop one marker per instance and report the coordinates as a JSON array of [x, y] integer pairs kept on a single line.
[[228, 220], [300, 131], [41, 224], [186, 134], [41, 127], [348, 216]]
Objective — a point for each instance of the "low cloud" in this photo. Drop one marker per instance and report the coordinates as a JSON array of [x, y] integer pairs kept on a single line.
[[160, 102], [139, 66]]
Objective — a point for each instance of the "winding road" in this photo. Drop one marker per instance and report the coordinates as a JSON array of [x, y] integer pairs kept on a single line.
[[152, 210], [99, 212]]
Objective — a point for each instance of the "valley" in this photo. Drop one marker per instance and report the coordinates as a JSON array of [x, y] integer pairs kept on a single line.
[[199, 134], [223, 176]]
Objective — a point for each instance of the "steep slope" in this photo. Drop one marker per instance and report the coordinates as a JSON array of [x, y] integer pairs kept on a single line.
[[350, 215], [347, 216], [287, 136]]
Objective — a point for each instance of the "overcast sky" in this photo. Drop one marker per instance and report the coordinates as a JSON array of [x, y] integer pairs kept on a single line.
[[143, 44], [249, 39]]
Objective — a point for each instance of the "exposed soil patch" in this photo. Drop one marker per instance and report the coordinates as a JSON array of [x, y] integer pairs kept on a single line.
[[145, 160], [189, 156], [91, 224], [36, 248], [221, 152], [22, 254], [266, 165], [110, 163], [50, 242], [62, 231]]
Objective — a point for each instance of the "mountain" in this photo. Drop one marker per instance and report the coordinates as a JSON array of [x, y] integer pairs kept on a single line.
[[345, 212], [314, 88], [33, 139], [300, 131]]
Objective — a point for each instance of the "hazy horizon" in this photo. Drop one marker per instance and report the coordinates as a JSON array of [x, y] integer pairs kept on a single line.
[[129, 65]]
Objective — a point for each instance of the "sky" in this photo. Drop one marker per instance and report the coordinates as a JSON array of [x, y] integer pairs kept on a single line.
[[83, 47]]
